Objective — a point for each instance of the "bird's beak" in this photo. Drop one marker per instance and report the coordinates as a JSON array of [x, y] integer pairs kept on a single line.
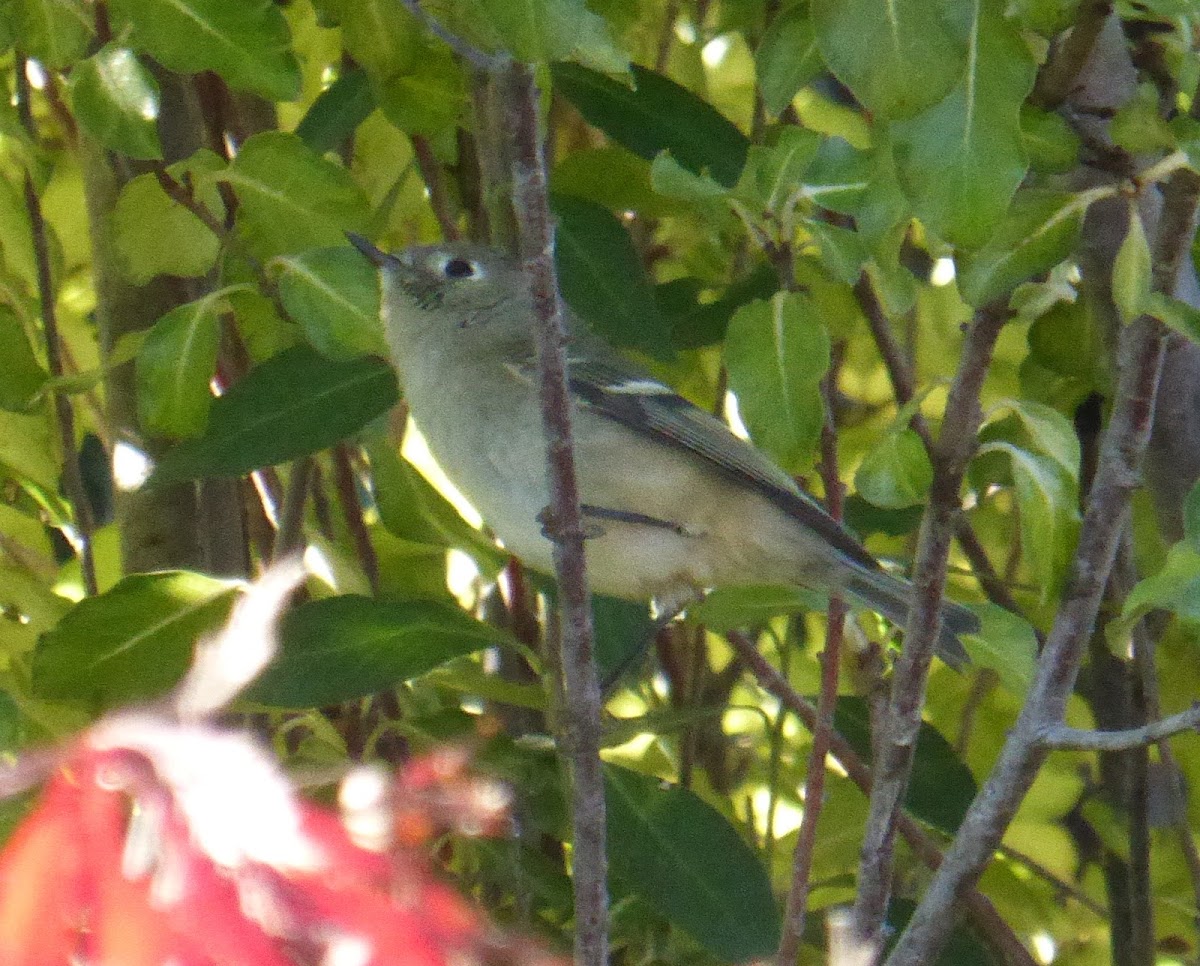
[[378, 258]]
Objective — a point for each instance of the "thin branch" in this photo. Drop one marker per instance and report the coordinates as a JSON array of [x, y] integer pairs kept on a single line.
[[63, 411], [1121, 455], [473, 55], [581, 720], [1061, 736], [902, 721], [347, 491], [984, 916], [814, 784], [290, 534], [1057, 77], [439, 199], [900, 373]]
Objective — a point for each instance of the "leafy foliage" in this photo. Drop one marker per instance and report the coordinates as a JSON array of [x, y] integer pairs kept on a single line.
[[796, 206]]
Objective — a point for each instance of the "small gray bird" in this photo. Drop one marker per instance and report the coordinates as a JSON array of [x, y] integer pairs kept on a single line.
[[674, 502]]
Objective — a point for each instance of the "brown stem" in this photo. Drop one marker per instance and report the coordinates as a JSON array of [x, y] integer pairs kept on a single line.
[[347, 491], [439, 198], [64, 413], [902, 720], [581, 719]]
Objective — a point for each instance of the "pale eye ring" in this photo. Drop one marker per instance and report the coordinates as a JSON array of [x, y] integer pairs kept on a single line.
[[458, 268]]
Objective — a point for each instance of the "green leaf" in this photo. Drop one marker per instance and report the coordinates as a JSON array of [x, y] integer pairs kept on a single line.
[[158, 236], [672, 180], [381, 36], [750, 605], [1038, 232], [426, 99], [337, 112], [897, 57], [1191, 517], [961, 160], [697, 322], [896, 472], [298, 402], [132, 643], [777, 353], [174, 367], [28, 448], [248, 43], [23, 374], [115, 100], [544, 31], [1050, 432], [1139, 127], [773, 177], [333, 293], [1007, 644], [1045, 504], [1132, 270], [787, 59], [1176, 588], [623, 632], [55, 32], [1178, 315], [291, 198], [348, 647], [603, 279], [941, 788], [657, 115], [719, 891], [1052, 146]]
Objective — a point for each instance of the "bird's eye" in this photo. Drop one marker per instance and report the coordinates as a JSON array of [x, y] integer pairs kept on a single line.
[[458, 268]]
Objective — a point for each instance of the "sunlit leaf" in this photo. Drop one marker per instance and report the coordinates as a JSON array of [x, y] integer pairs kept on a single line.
[[174, 367], [115, 100], [776, 353], [132, 643], [247, 43], [787, 58]]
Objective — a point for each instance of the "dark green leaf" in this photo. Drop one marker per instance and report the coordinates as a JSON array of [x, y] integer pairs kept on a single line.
[[623, 633], [294, 404], [603, 279], [696, 323], [941, 789], [897, 58], [334, 294], [247, 43], [174, 367], [115, 100], [657, 115], [349, 647], [133, 642], [337, 112], [718, 890], [1052, 146]]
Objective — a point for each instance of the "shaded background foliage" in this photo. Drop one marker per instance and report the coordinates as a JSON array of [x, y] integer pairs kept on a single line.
[[799, 202]]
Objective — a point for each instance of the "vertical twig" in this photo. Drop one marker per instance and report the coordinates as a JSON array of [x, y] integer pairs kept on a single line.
[[439, 198], [1122, 449], [63, 411], [347, 491], [902, 721], [796, 911], [582, 711], [290, 532]]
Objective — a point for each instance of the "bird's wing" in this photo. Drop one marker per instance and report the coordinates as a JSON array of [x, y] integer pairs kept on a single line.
[[611, 387]]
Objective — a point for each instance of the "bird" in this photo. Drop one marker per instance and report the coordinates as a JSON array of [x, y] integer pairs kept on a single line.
[[674, 503]]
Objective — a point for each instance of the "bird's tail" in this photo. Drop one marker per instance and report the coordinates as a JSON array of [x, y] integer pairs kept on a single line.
[[892, 597]]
